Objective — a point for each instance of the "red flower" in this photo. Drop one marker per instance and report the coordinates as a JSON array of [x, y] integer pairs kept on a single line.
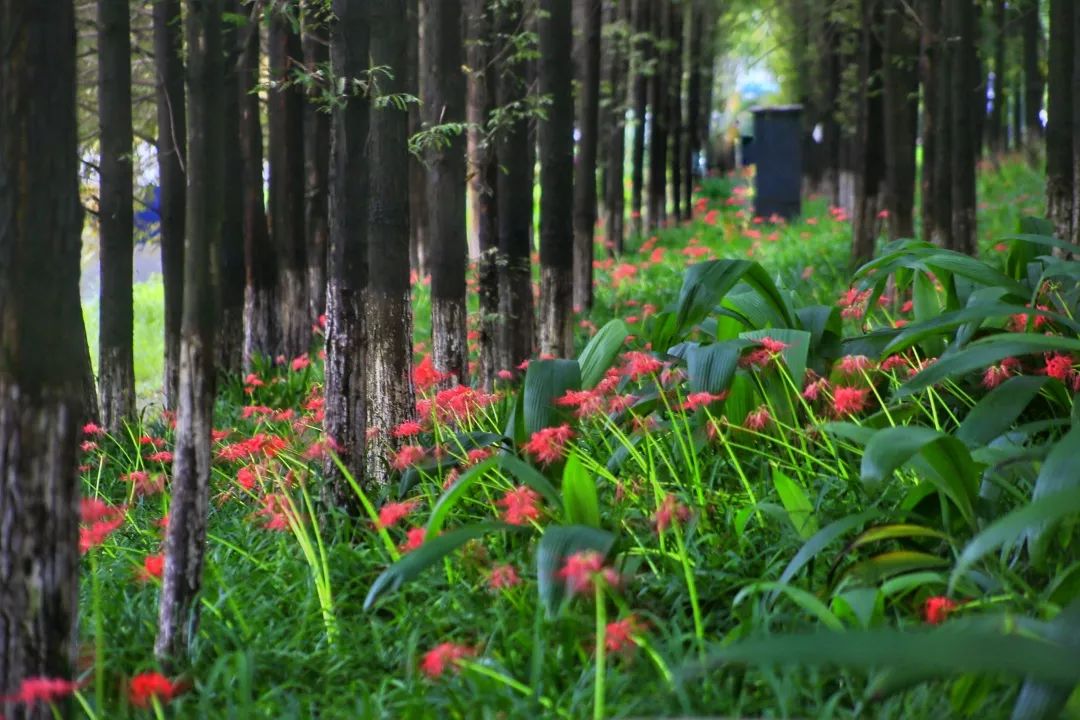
[[670, 509], [409, 428], [701, 399], [414, 539], [88, 446], [582, 567], [854, 364], [521, 505], [299, 363], [758, 419], [547, 444], [997, 374], [153, 565], [148, 685], [848, 400], [425, 375], [637, 365], [1059, 366], [408, 456], [619, 635], [391, 513], [587, 402], [41, 689], [503, 576], [162, 456], [892, 362], [92, 429], [443, 656], [937, 608], [812, 390]]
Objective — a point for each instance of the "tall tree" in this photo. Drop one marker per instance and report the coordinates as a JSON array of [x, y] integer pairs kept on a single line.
[[996, 135], [346, 401], [185, 539], [642, 49], [171, 144], [116, 366], [696, 69], [229, 344], [1059, 170], [674, 108], [869, 156], [41, 381], [286, 113], [900, 80], [316, 156], [557, 211], [418, 212], [615, 162], [936, 128], [444, 102], [1034, 82], [260, 260], [585, 210], [964, 140], [513, 193], [1075, 128], [388, 307], [658, 99], [482, 90]]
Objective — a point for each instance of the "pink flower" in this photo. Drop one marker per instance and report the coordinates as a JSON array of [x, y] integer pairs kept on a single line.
[[1059, 366], [93, 429], [701, 399], [670, 509], [758, 419], [391, 513], [849, 400], [580, 569], [619, 635], [521, 505], [587, 402], [414, 538], [937, 608], [854, 364], [161, 456], [502, 577], [409, 428], [148, 685], [505, 375], [425, 376], [547, 444], [299, 363], [42, 689], [812, 390], [637, 365], [443, 656], [997, 374], [892, 362], [152, 567], [408, 456]]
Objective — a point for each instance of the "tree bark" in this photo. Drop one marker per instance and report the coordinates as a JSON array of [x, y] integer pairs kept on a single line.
[[418, 200], [658, 137], [116, 369], [869, 156], [1075, 129], [387, 303], [171, 144], [185, 539], [996, 135], [675, 109], [964, 140], [937, 129], [316, 161], [1034, 82], [559, 213], [41, 382], [513, 193], [346, 400], [642, 51], [584, 170], [444, 102], [485, 173], [614, 189], [695, 71], [286, 114], [901, 114], [260, 260], [229, 344]]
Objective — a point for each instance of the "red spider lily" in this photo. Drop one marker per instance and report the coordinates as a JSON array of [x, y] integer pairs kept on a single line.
[[758, 419], [477, 456], [148, 440], [391, 513], [581, 569], [275, 508], [249, 411], [892, 362], [251, 382], [670, 509], [414, 538], [547, 444], [502, 577], [619, 635], [702, 399], [505, 375], [146, 686], [813, 389], [1059, 366], [637, 365], [218, 435], [88, 446], [409, 428], [620, 403], [854, 364], [247, 477], [93, 429], [623, 271], [92, 535], [92, 510], [144, 482], [425, 376], [284, 415], [1019, 322], [33, 690], [937, 608], [848, 400], [587, 402], [161, 456], [521, 505], [300, 362], [152, 567], [997, 374], [408, 456], [443, 656]]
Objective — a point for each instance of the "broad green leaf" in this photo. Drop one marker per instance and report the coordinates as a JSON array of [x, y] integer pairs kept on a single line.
[[896, 531], [1058, 474], [556, 544], [996, 412], [710, 368], [601, 351], [820, 541], [795, 354], [545, 382], [580, 503], [432, 551], [799, 508], [526, 474], [450, 498], [1040, 700], [874, 570], [807, 601], [943, 323]]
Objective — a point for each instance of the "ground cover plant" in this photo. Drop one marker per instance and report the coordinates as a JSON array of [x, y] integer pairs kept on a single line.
[[740, 496]]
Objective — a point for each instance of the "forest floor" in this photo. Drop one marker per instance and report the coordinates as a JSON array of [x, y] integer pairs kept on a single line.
[[599, 536]]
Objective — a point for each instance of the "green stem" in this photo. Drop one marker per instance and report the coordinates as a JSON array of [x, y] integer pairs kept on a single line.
[[601, 650]]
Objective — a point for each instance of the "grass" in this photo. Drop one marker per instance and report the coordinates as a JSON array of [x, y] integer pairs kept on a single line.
[[702, 516]]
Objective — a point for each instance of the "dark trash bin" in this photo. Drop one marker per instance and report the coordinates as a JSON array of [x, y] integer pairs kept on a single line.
[[778, 138]]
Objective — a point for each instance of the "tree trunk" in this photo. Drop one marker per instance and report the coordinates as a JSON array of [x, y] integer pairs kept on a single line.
[[346, 401], [171, 144], [614, 190], [937, 129], [658, 137], [869, 155], [387, 305], [260, 260], [996, 136], [1075, 237], [1034, 82], [444, 102], [642, 51], [41, 349], [584, 187], [316, 163], [559, 213], [229, 344], [418, 200], [116, 369], [513, 193], [695, 71], [675, 110], [964, 140], [286, 114], [485, 173], [185, 539], [901, 113]]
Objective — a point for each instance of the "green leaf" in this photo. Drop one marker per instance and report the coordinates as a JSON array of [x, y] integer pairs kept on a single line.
[[996, 412], [432, 551], [807, 601], [601, 351], [710, 368], [895, 532], [820, 541], [799, 508], [874, 570], [580, 502], [526, 474], [1041, 700], [705, 284], [556, 544], [449, 499], [940, 324], [545, 382], [1058, 474], [795, 354]]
